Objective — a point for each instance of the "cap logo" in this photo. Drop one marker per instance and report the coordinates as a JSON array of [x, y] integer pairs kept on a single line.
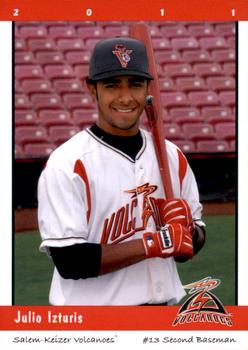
[[122, 54]]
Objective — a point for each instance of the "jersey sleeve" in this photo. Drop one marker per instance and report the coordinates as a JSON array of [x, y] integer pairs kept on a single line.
[[62, 208]]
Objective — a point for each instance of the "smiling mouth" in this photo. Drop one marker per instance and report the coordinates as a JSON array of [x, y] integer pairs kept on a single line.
[[127, 110]]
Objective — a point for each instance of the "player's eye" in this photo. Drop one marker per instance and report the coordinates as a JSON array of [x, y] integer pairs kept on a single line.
[[137, 84], [111, 85]]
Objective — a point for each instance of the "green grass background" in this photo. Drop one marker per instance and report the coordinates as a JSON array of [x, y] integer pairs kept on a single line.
[[33, 270]]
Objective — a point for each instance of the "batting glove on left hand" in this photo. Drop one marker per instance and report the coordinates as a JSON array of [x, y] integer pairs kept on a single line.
[[172, 240]]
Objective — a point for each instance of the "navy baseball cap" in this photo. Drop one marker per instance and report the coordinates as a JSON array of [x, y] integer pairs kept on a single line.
[[119, 56]]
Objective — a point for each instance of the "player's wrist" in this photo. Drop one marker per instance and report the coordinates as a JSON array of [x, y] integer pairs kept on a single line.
[[198, 237]]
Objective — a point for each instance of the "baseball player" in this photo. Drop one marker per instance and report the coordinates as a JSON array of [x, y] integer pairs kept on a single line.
[[103, 215]]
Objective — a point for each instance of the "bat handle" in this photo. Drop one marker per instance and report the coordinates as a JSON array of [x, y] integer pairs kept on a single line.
[[151, 114], [159, 144]]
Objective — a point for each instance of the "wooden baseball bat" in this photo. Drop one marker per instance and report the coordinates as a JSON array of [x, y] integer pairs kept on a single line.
[[153, 108]]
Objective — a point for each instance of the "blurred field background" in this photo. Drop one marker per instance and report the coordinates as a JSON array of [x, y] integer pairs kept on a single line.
[[33, 270], [196, 66]]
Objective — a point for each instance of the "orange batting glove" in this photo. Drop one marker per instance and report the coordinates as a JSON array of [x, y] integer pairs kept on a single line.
[[174, 210], [172, 240]]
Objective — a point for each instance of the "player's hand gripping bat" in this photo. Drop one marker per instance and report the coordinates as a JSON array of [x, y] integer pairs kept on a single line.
[[154, 108]]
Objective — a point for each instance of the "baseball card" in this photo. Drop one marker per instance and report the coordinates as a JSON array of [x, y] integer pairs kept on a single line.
[[123, 140]]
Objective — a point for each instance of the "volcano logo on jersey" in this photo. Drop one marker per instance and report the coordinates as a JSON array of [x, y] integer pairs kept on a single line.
[[123, 54], [123, 223], [203, 306]]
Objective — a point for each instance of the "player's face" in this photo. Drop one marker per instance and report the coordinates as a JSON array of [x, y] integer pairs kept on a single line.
[[121, 101]]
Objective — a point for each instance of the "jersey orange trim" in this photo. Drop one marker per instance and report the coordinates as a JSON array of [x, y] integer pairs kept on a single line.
[[80, 170], [182, 167]]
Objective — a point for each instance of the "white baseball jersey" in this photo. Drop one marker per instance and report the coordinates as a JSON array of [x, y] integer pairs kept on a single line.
[[92, 192]]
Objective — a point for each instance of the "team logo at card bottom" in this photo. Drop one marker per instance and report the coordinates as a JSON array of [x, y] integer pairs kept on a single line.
[[202, 305], [123, 54]]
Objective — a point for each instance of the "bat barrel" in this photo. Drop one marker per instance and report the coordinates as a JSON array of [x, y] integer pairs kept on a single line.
[[154, 109]]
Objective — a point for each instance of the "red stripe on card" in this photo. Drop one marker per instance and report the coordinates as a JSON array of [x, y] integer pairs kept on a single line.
[[182, 167], [192, 10], [80, 170], [140, 318]]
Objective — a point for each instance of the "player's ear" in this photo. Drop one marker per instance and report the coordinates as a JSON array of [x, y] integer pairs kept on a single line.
[[91, 85]]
